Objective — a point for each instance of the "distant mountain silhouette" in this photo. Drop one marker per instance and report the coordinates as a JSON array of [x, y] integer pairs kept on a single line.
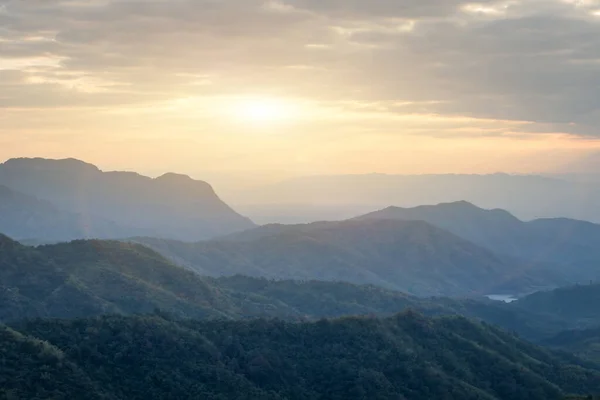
[[526, 196], [171, 206], [410, 256], [572, 246]]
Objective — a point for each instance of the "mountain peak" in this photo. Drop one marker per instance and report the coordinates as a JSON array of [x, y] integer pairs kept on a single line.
[[462, 205], [184, 183], [65, 164], [174, 177]]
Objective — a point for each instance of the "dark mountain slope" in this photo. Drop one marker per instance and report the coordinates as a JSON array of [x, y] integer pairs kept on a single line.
[[169, 206], [410, 256], [407, 356], [568, 245]]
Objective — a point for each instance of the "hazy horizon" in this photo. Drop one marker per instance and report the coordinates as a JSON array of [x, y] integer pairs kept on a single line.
[[229, 181]]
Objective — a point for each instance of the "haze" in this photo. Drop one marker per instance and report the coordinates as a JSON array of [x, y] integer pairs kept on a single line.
[[264, 90]]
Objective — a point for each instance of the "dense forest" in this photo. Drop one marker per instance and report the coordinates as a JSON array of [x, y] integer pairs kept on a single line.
[[159, 357]]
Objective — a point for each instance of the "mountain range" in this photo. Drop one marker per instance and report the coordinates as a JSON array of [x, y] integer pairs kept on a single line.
[[44, 201], [306, 199], [93, 278], [447, 249], [56, 200], [410, 256], [572, 246], [183, 253]]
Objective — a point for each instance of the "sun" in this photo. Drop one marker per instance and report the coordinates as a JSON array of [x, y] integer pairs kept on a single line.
[[263, 110]]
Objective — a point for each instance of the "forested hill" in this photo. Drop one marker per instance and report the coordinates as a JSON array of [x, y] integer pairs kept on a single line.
[[404, 357], [91, 278], [87, 278], [410, 256], [576, 303]]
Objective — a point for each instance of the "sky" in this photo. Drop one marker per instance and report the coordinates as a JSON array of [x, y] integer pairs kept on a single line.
[[265, 89]]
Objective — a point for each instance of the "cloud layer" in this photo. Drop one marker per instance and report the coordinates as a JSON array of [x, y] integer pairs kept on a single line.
[[510, 67]]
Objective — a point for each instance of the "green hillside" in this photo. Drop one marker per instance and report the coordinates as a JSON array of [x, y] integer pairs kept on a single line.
[[86, 278], [406, 356]]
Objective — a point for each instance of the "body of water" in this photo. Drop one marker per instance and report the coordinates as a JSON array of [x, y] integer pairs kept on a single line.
[[507, 298]]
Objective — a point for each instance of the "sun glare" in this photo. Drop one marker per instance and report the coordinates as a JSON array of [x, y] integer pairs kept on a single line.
[[263, 110]]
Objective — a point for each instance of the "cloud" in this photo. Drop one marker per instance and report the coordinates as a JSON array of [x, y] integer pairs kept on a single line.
[[535, 61], [358, 9]]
